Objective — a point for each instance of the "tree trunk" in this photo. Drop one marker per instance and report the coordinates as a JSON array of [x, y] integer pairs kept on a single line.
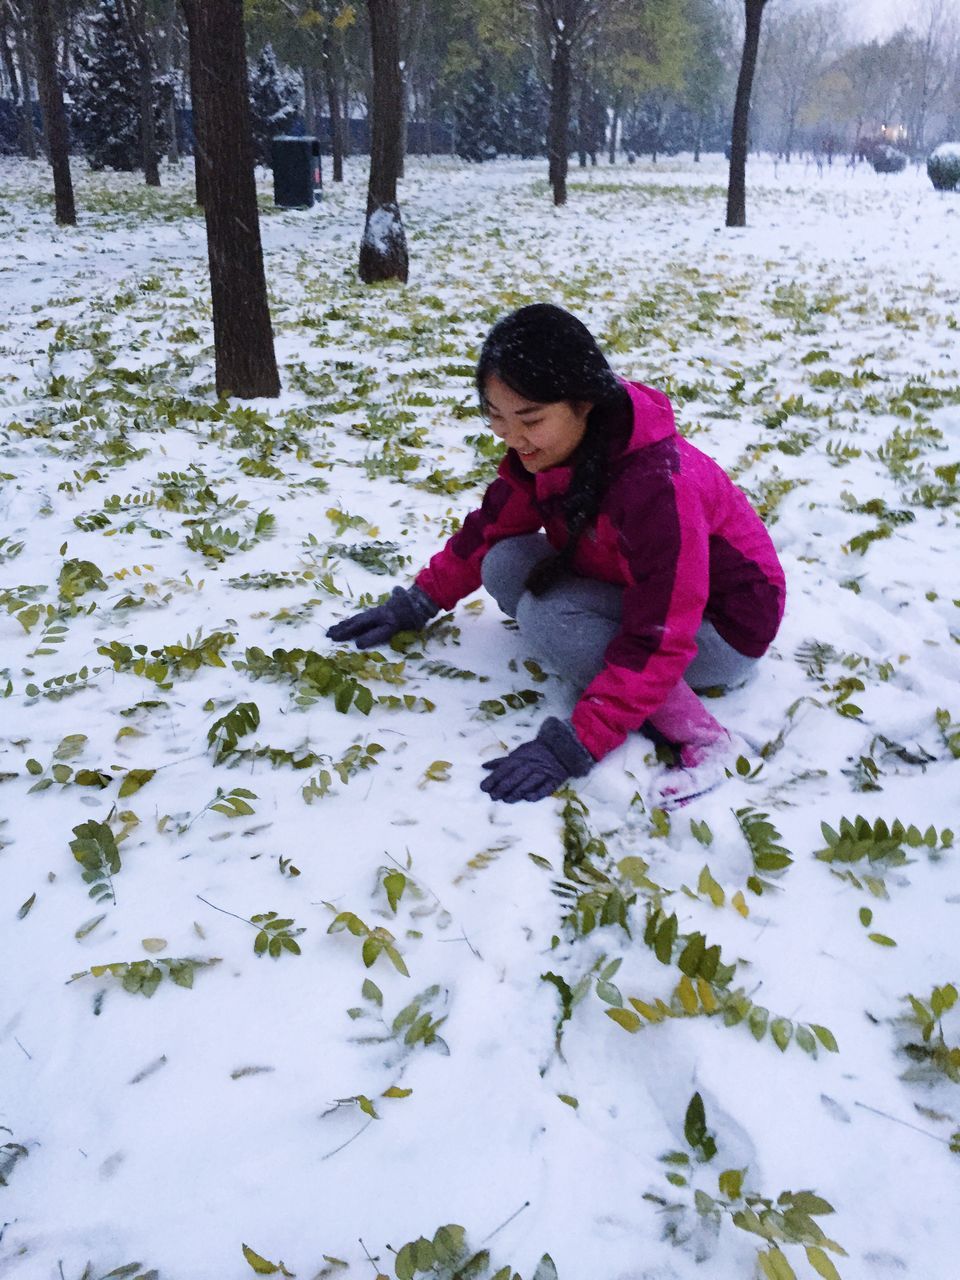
[[336, 128], [197, 99], [9, 66], [427, 105], [737, 187], [383, 250], [346, 136], [54, 113], [169, 46], [788, 143], [559, 128], [148, 125], [309, 102], [614, 126], [135, 16], [28, 132], [331, 62], [246, 364], [584, 123]]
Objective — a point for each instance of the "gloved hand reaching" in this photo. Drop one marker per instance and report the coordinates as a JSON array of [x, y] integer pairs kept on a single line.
[[535, 769], [408, 609]]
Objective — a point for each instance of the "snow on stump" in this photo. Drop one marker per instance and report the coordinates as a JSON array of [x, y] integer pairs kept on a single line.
[[887, 159], [943, 166], [383, 249]]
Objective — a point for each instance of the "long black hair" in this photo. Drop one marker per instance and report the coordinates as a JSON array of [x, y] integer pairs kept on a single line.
[[545, 354]]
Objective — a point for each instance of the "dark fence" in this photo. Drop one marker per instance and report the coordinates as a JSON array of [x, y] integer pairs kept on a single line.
[[423, 138]]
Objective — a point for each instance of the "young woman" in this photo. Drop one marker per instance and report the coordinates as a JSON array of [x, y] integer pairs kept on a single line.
[[653, 576]]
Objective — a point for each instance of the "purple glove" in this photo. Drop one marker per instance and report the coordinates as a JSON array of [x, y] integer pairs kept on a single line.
[[408, 609], [535, 769]]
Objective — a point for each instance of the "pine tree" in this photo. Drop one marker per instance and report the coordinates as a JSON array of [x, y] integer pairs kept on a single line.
[[105, 94], [524, 118], [274, 102], [105, 103], [478, 119]]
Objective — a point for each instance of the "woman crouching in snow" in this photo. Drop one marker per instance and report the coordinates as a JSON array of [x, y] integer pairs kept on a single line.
[[654, 576]]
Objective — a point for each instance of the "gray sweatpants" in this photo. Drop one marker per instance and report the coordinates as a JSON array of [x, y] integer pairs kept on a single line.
[[571, 624]]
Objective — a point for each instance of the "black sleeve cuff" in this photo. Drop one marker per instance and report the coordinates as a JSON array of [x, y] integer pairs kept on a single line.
[[560, 736]]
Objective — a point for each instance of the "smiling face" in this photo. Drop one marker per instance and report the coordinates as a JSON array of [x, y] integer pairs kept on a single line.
[[543, 435]]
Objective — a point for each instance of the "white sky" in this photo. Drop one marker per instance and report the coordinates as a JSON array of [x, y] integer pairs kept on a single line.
[[870, 18]]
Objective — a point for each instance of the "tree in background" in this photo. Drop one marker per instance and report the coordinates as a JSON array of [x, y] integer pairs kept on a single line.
[[564, 27], [54, 113], [591, 120], [246, 364], [108, 99], [310, 35], [14, 19], [105, 103], [523, 117], [798, 48], [383, 249], [274, 102], [135, 17], [737, 185], [710, 48], [934, 51], [643, 53], [479, 134]]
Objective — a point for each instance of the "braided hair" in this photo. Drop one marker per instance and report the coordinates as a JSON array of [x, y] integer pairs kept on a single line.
[[546, 355]]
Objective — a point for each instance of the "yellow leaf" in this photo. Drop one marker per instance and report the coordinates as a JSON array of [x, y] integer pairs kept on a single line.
[[647, 1010], [821, 1264], [707, 998], [687, 996], [624, 1018], [775, 1266], [396, 1092], [260, 1265], [154, 944], [707, 885], [739, 903]]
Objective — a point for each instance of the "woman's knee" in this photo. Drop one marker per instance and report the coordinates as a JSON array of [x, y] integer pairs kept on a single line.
[[573, 640], [507, 565]]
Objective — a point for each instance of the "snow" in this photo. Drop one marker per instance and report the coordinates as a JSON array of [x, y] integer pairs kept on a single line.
[[947, 151], [814, 354], [382, 228]]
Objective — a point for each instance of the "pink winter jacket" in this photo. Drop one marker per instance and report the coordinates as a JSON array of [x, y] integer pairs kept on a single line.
[[673, 529]]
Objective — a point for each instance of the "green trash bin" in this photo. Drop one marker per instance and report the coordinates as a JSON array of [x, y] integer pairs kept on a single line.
[[296, 171]]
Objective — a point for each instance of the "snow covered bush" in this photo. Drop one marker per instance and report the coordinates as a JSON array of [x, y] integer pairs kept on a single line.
[[886, 159], [274, 102], [105, 93], [943, 166]]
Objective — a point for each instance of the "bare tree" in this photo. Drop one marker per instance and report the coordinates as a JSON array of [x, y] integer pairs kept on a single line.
[[383, 249], [737, 185], [798, 47], [934, 52], [246, 364], [54, 113]]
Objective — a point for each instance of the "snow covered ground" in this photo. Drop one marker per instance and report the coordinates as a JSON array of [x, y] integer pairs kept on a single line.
[[487, 1066]]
